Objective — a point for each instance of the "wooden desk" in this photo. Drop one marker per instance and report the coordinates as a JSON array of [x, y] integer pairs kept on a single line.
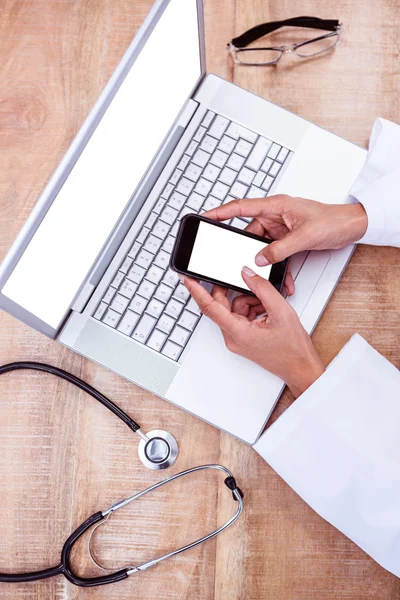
[[62, 455]]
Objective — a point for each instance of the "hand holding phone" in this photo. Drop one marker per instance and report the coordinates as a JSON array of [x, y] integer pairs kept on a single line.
[[216, 252]]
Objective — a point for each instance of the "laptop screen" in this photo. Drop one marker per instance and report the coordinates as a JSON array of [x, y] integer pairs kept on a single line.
[[88, 206]]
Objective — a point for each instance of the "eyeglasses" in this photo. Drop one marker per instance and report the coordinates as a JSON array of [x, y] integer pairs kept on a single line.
[[271, 55]]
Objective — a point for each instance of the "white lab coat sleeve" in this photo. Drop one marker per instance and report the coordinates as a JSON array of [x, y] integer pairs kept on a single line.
[[378, 186], [338, 447]]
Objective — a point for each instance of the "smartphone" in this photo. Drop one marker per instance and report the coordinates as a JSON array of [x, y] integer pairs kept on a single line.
[[215, 252]]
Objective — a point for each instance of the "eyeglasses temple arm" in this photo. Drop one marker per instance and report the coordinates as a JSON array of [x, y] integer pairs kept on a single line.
[[253, 34]]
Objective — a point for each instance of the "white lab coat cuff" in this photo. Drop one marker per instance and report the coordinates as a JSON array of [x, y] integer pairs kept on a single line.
[[338, 447], [378, 184]]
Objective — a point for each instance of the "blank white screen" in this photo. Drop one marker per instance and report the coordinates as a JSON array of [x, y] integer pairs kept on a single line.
[[220, 254], [83, 215]]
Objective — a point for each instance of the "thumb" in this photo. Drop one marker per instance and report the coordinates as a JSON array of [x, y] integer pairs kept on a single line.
[[293, 242], [270, 298]]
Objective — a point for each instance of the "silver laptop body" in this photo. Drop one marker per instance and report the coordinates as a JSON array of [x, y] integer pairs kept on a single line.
[[90, 266]]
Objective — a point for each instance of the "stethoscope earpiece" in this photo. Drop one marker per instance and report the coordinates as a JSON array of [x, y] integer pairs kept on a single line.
[[158, 449]]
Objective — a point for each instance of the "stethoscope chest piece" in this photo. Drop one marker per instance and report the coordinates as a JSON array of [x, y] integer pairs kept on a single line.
[[159, 450]]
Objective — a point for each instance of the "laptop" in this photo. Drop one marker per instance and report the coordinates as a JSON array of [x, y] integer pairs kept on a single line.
[[90, 267]]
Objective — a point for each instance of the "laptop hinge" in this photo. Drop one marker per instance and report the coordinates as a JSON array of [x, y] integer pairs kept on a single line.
[[140, 196]]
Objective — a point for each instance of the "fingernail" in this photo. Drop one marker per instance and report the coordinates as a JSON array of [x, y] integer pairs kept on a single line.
[[248, 272], [181, 278], [261, 261]]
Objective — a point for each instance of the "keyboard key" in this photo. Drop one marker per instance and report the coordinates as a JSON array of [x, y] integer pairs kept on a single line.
[[246, 176], [211, 172], [274, 151], [174, 228], [138, 304], [109, 295], [136, 273], [227, 176], [239, 223], [181, 293], [266, 164], [189, 319], [218, 127], [268, 181], [165, 323], [193, 307], [191, 149], [127, 262], [243, 148], [219, 158], [172, 350], [144, 259], [128, 322], [169, 214], [146, 289], [111, 318], [184, 162], [193, 172], [274, 170], [258, 154], [101, 309], [144, 328], [128, 288], [161, 202], [177, 200], [156, 340], [161, 229], [185, 186], [119, 303], [163, 293], [255, 192], [220, 190], [155, 307], [237, 131], [179, 336], [228, 199], [151, 220], [199, 134], [169, 244], [152, 244], [201, 158], [235, 162], [174, 308], [227, 144], [167, 191], [142, 235], [175, 176], [171, 278], [162, 259], [259, 178], [133, 252], [238, 190], [117, 279], [203, 187], [154, 274], [195, 201], [208, 118], [282, 155], [211, 203], [208, 145], [186, 210]]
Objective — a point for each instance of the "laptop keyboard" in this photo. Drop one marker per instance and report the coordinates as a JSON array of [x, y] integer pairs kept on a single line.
[[146, 300]]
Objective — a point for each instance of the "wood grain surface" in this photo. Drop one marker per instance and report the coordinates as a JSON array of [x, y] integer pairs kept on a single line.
[[62, 456]]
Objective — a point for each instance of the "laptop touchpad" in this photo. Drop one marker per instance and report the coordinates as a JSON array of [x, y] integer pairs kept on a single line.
[[307, 277]]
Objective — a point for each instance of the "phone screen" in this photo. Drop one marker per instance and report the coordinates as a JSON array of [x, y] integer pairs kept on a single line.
[[220, 254]]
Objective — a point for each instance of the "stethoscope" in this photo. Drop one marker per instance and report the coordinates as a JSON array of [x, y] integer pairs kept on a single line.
[[157, 450]]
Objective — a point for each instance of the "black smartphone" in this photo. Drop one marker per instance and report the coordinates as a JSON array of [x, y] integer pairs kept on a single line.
[[215, 252]]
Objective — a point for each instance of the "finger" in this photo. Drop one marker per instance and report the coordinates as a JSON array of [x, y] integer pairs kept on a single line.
[[241, 305], [289, 281], [243, 208], [293, 242], [218, 313], [255, 311], [255, 227], [220, 294], [269, 297]]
